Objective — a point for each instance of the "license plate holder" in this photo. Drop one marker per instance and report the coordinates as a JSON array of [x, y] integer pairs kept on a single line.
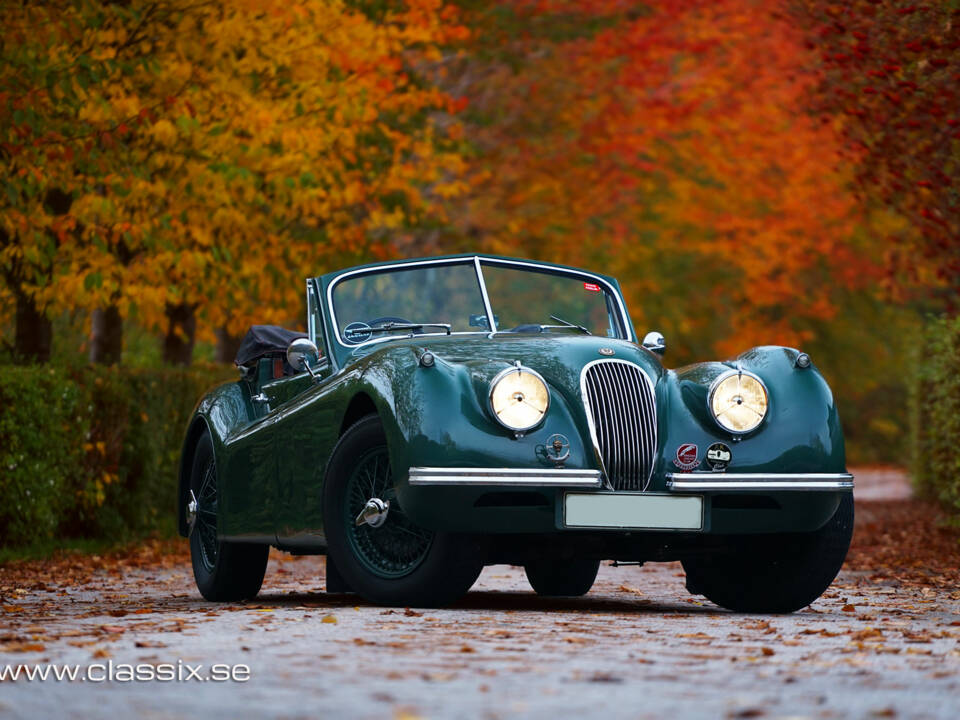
[[633, 511]]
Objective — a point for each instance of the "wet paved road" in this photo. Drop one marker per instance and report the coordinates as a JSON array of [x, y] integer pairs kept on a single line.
[[637, 646]]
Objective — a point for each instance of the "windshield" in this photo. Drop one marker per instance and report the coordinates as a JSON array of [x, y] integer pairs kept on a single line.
[[521, 297], [447, 298], [396, 297]]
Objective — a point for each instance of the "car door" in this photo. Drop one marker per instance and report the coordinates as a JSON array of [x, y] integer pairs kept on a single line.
[[304, 425]]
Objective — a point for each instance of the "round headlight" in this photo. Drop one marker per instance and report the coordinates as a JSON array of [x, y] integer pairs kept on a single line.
[[738, 401], [519, 398]]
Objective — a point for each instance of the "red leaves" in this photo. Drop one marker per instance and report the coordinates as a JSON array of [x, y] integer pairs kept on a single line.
[[900, 54]]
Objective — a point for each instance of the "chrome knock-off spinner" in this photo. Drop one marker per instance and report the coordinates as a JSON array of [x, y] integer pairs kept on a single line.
[[374, 513]]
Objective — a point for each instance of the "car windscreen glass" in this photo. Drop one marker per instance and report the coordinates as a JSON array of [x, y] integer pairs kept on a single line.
[[522, 298], [401, 301]]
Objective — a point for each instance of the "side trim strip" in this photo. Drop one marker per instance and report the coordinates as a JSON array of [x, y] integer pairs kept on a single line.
[[733, 482], [515, 477]]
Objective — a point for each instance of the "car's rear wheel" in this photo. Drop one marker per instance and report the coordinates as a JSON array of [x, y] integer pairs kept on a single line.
[[562, 578], [379, 551], [223, 571], [775, 573]]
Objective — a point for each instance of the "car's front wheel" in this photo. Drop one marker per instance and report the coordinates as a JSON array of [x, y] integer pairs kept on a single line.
[[775, 573], [377, 549], [562, 578], [223, 571]]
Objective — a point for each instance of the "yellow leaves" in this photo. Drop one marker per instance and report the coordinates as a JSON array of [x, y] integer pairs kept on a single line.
[[233, 128], [164, 132]]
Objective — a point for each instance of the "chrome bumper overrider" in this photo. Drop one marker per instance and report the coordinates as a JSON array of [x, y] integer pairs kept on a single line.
[[734, 482], [506, 477]]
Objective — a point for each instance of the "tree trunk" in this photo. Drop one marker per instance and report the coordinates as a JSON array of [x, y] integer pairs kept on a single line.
[[33, 336], [227, 346], [106, 336], [178, 344]]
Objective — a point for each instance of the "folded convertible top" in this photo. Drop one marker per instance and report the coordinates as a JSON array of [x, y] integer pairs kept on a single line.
[[265, 341]]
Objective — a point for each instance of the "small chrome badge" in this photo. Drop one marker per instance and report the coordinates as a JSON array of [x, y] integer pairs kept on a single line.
[[605, 351], [718, 457], [557, 448]]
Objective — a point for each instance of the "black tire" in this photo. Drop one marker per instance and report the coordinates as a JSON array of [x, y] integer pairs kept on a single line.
[[224, 572], [434, 568], [775, 573], [562, 578]]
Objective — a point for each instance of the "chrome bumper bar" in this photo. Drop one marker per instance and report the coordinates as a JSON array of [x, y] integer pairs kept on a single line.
[[737, 482], [506, 477]]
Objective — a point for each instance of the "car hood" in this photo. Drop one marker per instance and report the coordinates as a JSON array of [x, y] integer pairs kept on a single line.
[[559, 358]]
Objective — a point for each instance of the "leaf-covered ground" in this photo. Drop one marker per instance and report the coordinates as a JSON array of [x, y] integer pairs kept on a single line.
[[883, 641]]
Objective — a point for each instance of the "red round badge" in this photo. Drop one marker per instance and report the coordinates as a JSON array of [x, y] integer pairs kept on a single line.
[[687, 456]]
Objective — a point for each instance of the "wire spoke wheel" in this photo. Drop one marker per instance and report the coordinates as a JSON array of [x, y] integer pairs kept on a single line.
[[397, 547], [206, 527]]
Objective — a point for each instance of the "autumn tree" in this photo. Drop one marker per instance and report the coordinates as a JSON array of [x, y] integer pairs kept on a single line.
[[669, 144], [219, 153], [889, 76]]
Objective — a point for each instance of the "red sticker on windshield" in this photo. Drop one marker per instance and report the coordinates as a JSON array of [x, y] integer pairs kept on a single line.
[[592, 287]]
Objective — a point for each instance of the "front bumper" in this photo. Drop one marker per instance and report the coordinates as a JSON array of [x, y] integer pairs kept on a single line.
[[535, 501], [752, 482], [676, 482], [507, 477]]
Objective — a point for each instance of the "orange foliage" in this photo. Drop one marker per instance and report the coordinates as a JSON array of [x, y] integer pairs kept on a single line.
[[214, 154], [890, 78], [670, 146]]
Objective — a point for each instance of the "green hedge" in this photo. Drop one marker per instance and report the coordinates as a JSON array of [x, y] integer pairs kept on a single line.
[[92, 452], [935, 432]]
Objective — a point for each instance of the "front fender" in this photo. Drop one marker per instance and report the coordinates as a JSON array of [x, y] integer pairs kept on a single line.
[[801, 432], [219, 413], [437, 417]]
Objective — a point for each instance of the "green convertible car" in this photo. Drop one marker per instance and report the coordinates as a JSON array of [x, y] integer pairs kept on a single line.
[[443, 414]]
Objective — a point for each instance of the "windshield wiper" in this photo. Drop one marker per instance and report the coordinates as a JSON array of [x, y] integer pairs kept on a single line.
[[566, 324], [390, 326]]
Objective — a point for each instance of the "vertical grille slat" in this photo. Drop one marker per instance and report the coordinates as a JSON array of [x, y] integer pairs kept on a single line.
[[620, 402]]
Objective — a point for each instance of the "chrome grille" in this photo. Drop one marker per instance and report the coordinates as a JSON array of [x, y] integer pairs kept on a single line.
[[621, 407]]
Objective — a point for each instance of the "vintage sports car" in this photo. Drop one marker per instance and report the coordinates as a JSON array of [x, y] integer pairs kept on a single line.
[[443, 414]]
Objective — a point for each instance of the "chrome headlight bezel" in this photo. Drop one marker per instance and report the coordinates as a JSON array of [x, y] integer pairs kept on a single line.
[[715, 385], [523, 369]]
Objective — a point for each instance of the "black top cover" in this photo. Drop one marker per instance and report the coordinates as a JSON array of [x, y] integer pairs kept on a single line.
[[265, 340]]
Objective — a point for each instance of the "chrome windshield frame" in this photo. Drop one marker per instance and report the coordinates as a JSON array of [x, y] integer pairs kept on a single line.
[[477, 261]]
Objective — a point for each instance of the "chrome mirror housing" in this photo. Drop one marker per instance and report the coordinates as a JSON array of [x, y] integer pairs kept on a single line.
[[654, 342], [301, 354]]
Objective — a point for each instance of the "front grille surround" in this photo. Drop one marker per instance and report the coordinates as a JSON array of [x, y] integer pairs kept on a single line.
[[621, 409]]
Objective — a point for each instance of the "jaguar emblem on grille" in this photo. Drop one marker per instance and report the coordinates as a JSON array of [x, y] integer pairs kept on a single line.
[[605, 351]]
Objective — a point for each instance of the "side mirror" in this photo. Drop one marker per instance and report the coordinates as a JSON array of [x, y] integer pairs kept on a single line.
[[301, 354], [654, 342]]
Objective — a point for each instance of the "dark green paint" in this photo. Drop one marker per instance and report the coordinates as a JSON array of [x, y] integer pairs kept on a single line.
[[272, 458]]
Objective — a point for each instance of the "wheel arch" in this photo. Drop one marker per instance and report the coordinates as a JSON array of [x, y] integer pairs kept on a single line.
[[359, 407]]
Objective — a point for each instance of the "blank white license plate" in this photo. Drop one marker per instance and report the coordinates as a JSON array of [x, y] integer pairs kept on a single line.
[[633, 511]]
